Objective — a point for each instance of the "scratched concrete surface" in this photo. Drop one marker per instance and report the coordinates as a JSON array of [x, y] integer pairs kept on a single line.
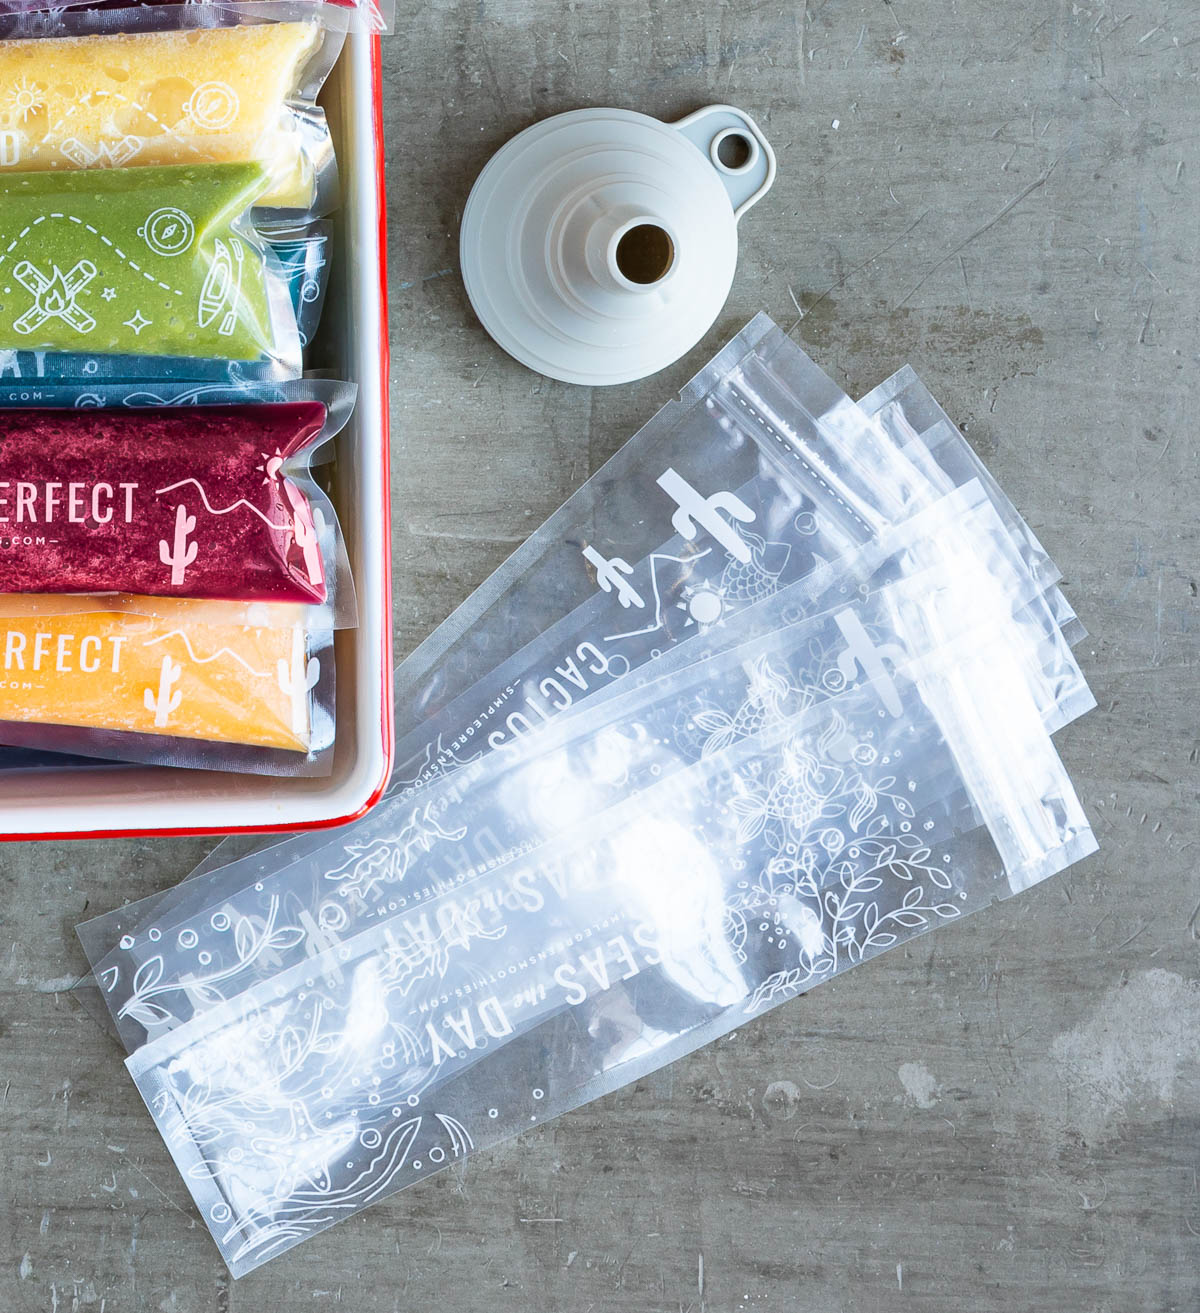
[[1006, 1115]]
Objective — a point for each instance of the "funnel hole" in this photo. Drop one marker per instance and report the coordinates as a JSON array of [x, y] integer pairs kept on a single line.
[[734, 151], [645, 254]]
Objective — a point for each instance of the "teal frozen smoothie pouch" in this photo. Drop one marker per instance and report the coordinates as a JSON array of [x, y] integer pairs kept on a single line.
[[159, 261]]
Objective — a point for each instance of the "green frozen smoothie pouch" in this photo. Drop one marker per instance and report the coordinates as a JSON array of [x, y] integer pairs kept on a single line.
[[158, 261]]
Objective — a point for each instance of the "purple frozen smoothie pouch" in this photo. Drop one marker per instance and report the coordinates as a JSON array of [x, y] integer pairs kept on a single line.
[[176, 503]]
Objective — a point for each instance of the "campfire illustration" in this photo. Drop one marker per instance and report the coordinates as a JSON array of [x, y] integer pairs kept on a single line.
[[107, 154], [54, 296]]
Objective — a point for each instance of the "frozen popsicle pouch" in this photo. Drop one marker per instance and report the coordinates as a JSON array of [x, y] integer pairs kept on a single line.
[[757, 871], [767, 473], [354, 15], [167, 682], [159, 261], [178, 85], [304, 255], [520, 798], [209, 502]]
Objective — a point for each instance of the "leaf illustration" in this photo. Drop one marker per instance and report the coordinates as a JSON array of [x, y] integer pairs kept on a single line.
[[913, 897], [148, 975], [843, 872], [882, 941], [287, 936], [910, 919], [196, 1097], [202, 1133], [775, 840], [947, 911], [806, 886], [781, 983], [244, 938], [148, 1014], [750, 826], [291, 1046]]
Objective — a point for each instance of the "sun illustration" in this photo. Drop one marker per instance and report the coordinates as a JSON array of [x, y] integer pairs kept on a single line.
[[705, 606], [24, 99], [271, 466]]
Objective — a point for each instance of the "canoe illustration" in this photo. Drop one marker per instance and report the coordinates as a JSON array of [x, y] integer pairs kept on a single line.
[[221, 294]]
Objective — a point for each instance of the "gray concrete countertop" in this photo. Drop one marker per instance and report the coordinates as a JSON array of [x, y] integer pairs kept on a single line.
[[1006, 1114]]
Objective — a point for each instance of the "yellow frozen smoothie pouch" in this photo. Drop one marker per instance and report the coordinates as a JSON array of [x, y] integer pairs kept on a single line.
[[141, 666], [92, 97]]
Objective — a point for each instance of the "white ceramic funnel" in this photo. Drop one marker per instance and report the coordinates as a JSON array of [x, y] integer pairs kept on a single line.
[[599, 246]]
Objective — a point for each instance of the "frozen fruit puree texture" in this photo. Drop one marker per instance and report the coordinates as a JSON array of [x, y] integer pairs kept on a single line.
[[180, 502], [160, 674], [144, 262], [208, 96]]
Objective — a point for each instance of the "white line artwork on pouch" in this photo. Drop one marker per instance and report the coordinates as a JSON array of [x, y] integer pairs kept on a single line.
[[107, 242], [285, 527], [182, 550], [297, 679], [54, 296], [23, 99], [106, 154], [657, 622], [199, 660], [168, 231], [213, 106], [166, 698], [221, 294]]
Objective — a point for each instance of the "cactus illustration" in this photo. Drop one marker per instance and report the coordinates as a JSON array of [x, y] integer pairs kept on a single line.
[[296, 678], [163, 701], [181, 553], [304, 533]]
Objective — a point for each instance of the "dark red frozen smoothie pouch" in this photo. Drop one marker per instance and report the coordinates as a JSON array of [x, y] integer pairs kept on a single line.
[[181, 502]]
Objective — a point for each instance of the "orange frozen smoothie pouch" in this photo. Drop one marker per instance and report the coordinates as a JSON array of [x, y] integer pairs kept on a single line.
[[156, 674], [209, 95]]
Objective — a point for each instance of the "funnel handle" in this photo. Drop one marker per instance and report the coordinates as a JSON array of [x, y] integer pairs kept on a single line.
[[734, 145]]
